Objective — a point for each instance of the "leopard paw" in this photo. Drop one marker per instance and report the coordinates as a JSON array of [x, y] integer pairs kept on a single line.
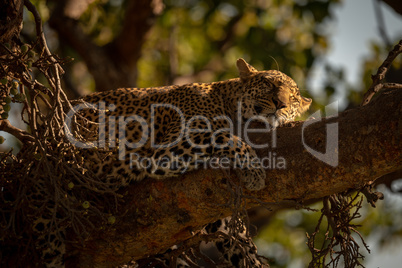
[[254, 179]]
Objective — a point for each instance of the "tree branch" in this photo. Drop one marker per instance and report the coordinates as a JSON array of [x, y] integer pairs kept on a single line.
[[96, 58], [10, 20], [159, 214], [138, 20], [20, 134]]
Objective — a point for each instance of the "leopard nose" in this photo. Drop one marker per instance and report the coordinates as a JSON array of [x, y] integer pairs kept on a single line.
[[278, 104]]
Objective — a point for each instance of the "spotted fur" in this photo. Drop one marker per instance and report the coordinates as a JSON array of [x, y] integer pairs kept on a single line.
[[230, 248], [269, 94]]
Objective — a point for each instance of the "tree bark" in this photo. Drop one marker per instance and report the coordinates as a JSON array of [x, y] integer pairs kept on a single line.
[[10, 22], [159, 214]]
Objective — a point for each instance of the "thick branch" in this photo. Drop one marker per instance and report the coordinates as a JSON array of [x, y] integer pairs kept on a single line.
[[95, 57], [159, 214], [139, 18], [10, 20]]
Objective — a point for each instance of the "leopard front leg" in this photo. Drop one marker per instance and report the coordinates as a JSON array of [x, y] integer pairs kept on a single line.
[[188, 154], [245, 161]]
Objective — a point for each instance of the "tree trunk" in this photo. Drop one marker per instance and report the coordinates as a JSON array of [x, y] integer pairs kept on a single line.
[[10, 21], [159, 214], [114, 65]]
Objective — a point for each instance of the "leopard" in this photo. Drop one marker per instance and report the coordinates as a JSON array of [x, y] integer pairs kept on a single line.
[[170, 128], [163, 132]]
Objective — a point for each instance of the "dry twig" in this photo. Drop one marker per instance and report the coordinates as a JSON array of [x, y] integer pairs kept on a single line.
[[47, 178], [339, 246], [376, 86]]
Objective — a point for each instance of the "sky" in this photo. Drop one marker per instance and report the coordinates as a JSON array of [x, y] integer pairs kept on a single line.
[[355, 27]]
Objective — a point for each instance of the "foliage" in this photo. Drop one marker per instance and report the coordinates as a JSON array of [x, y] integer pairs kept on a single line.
[[199, 40], [277, 34]]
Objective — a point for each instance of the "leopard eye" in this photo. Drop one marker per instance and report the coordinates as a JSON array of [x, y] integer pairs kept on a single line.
[[268, 82], [278, 104]]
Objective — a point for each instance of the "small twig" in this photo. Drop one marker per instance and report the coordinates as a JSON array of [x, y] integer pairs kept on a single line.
[[380, 75], [339, 244], [39, 32], [391, 85], [372, 197]]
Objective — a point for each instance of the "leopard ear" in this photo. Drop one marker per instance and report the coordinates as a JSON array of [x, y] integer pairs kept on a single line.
[[245, 69]]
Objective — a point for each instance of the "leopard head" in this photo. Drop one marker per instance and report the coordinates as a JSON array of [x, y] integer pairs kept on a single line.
[[270, 94]]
